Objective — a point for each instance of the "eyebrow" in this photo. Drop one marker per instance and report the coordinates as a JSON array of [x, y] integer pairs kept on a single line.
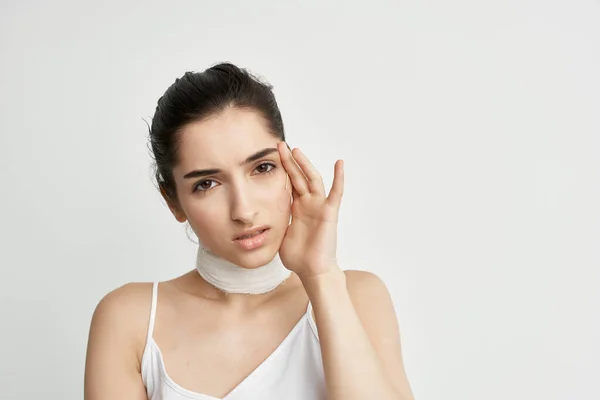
[[204, 172]]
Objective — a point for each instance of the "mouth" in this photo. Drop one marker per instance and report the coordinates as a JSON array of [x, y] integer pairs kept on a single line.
[[252, 239], [250, 233]]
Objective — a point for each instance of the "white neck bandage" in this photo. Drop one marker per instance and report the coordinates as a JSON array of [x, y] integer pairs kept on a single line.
[[231, 278]]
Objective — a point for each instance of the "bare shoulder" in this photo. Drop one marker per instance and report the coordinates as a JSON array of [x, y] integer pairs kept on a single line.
[[375, 309], [363, 284], [360, 276], [116, 340], [372, 300], [125, 310], [129, 294]]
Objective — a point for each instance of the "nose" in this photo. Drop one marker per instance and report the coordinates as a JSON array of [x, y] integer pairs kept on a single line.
[[242, 206]]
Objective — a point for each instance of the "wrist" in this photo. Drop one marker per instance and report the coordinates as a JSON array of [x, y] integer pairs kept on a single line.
[[333, 278]]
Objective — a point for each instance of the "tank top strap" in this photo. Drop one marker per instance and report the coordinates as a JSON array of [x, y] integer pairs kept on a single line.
[[153, 310], [308, 307], [311, 322]]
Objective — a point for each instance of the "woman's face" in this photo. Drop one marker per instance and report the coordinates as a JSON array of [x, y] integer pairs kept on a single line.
[[230, 179]]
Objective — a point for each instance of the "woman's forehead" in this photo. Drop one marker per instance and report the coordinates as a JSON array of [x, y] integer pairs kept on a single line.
[[227, 139]]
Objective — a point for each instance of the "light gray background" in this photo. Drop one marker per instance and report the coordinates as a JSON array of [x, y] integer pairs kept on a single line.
[[470, 132]]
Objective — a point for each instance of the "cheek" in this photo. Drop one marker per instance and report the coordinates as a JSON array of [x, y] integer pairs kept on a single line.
[[279, 197], [283, 205], [206, 225]]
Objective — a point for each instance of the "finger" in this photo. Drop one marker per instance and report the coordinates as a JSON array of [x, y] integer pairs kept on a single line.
[[299, 181], [337, 188], [315, 181], [295, 194]]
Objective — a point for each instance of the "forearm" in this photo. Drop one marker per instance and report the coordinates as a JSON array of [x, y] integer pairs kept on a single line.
[[352, 368]]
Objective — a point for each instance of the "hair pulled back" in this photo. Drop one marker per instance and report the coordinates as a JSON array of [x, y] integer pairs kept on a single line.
[[200, 95]]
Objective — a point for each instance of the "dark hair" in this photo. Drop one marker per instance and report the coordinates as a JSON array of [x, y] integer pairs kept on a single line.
[[199, 95]]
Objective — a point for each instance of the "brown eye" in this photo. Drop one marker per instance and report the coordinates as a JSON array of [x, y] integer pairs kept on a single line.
[[265, 167], [203, 187]]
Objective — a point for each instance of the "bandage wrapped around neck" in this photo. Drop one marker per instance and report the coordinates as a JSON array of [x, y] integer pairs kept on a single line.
[[231, 278]]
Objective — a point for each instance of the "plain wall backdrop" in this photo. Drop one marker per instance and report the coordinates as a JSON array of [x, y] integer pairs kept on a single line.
[[470, 132]]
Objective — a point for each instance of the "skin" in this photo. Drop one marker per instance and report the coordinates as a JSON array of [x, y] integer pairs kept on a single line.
[[200, 330]]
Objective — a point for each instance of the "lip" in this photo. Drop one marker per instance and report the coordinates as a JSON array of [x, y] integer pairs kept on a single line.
[[254, 242], [251, 231]]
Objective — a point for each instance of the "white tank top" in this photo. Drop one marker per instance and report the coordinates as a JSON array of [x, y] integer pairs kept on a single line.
[[293, 371]]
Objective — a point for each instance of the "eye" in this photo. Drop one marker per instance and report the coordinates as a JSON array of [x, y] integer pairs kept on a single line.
[[201, 187], [265, 168]]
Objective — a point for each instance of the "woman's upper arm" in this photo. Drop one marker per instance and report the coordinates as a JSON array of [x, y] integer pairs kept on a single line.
[[112, 368], [375, 309]]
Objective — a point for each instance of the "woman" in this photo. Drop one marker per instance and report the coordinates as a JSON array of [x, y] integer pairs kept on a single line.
[[267, 313]]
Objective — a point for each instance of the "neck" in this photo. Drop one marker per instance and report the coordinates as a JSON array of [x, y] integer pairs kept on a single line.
[[231, 278]]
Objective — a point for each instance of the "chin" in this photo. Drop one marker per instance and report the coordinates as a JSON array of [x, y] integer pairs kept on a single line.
[[256, 258]]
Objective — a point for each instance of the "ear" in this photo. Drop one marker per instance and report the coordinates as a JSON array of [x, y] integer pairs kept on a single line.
[[173, 206]]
